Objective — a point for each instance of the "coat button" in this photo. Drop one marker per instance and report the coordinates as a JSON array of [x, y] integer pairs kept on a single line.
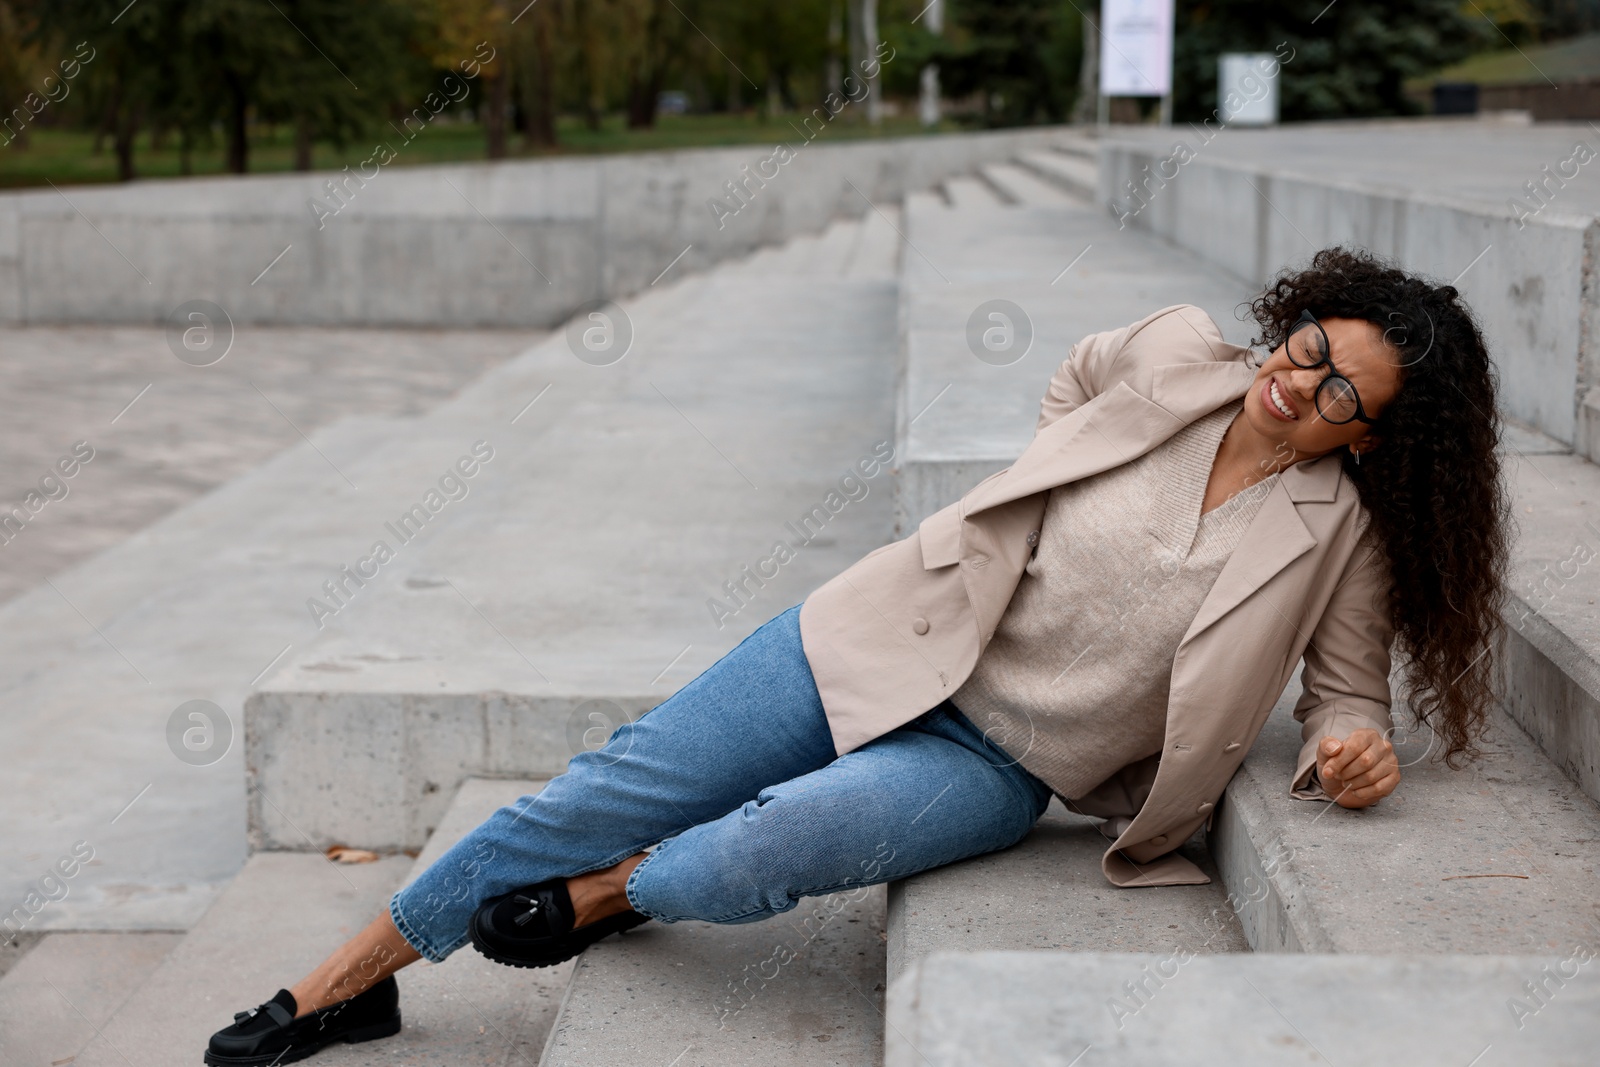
[[1202, 809], [1033, 538], [1159, 839], [1231, 746], [919, 626]]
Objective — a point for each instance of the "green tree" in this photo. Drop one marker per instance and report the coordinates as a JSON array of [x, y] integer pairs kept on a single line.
[[130, 66], [1348, 60], [1021, 58], [334, 78]]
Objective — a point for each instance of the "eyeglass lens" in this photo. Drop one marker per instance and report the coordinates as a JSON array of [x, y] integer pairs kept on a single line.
[[1336, 397]]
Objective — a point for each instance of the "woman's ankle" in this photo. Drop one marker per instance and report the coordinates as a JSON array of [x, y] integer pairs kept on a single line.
[[374, 954], [601, 894]]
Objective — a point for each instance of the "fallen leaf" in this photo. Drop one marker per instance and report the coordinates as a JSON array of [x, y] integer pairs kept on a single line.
[[346, 854]]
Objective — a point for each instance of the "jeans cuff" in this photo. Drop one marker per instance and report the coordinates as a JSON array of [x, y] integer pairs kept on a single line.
[[414, 939], [630, 888]]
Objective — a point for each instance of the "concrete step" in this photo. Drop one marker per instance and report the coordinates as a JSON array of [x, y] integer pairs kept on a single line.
[[272, 924], [630, 498], [1071, 272], [1074, 173], [1550, 657], [96, 662], [64, 990], [1071, 144], [876, 254], [971, 194], [1167, 1010], [1047, 892], [466, 1010], [1496, 858], [1026, 189], [836, 244], [802, 989], [796, 257]]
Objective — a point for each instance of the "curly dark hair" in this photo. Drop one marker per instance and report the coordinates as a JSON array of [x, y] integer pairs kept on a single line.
[[1432, 487]]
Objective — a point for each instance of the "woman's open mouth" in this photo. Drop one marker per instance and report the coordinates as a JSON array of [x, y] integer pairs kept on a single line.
[[1275, 402]]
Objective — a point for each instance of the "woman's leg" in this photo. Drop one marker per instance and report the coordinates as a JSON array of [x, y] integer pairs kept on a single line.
[[356, 966], [930, 793], [751, 719]]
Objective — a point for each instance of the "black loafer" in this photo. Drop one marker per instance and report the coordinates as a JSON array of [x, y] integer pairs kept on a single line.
[[271, 1034], [532, 926]]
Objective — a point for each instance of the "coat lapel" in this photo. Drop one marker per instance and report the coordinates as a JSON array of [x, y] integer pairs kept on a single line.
[[1276, 537], [1121, 424], [1117, 426]]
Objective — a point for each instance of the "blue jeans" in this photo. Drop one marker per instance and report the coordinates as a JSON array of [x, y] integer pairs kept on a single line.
[[735, 780]]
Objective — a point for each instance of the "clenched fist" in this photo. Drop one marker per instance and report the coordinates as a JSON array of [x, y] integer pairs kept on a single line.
[[1358, 771]]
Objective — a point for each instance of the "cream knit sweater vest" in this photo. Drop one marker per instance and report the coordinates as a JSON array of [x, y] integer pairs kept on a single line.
[[1074, 684]]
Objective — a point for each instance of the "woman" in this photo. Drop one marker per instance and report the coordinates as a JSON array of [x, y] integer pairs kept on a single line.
[[1110, 620]]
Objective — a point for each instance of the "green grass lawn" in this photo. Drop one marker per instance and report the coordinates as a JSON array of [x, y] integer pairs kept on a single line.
[[1531, 64], [68, 157]]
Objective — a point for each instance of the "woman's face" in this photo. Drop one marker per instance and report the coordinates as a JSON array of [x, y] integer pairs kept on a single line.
[[1359, 353]]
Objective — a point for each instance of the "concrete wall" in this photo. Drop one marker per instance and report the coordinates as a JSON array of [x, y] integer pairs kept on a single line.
[[380, 769], [1534, 290], [411, 247]]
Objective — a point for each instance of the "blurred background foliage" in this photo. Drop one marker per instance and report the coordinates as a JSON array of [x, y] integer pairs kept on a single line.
[[165, 87]]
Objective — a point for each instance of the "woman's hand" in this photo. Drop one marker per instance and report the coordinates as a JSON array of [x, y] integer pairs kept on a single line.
[[1358, 771]]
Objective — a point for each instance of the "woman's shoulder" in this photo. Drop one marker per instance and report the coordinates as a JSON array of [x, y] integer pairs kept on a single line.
[[1181, 333]]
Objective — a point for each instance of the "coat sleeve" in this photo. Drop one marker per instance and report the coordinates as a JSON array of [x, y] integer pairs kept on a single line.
[[1081, 375], [1346, 674]]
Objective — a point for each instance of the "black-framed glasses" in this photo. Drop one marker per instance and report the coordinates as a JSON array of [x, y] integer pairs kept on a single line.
[[1336, 397]]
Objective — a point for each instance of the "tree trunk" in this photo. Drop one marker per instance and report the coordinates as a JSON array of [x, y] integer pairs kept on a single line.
[[1087, 109], [542, 109], [642, 91], [302, 142], [649, 71], [238, 153], [870, 41], [833, 67], [494, 112], [122, 143], [928, 80], [593, 98]]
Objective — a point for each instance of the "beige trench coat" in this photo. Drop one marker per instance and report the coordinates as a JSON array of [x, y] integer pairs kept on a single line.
[[900, 630]]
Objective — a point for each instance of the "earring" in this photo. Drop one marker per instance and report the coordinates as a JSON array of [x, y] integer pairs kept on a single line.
[[1358, 458]]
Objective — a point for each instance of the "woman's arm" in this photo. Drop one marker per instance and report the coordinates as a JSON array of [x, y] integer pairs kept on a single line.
[[1091, 367], [1347, 697], [1081, 374]]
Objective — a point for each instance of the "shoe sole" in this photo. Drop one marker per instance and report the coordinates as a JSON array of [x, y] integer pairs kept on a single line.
[[388, 1028], [573, 945]]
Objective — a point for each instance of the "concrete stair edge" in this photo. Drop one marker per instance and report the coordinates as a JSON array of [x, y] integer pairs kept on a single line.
[[1250, 1010], [1071, 173], [58, 996]]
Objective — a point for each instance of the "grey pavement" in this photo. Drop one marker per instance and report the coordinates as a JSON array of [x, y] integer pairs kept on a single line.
[[165, 433]]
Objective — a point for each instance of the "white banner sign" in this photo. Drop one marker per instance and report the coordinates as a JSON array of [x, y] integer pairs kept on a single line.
[[1136, 47]]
